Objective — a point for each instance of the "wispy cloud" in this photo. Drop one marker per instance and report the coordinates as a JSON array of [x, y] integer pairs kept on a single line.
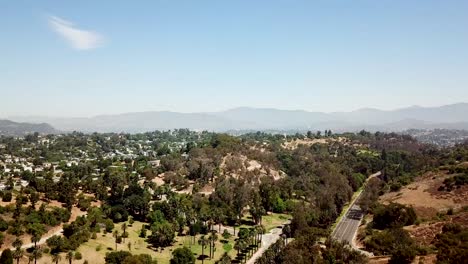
[[78, 38]]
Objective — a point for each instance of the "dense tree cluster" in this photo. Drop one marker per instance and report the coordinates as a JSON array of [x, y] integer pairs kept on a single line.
[[393, 216], [250, 175], [452, 244]]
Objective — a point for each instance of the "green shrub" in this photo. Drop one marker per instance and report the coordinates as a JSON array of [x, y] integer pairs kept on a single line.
[[393, 215], [7, 197], [78, 255]]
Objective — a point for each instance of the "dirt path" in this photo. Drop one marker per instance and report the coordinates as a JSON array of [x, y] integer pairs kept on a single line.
[[57, 230]]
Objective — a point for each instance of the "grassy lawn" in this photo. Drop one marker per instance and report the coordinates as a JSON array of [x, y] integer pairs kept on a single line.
[[274, 220], [106, 243], [94, 251], [268, 221]]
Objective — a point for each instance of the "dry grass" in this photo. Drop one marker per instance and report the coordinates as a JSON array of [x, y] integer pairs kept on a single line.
[[423, 195], [293, 144]]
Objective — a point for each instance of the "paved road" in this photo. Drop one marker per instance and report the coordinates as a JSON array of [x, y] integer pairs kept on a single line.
[[347, 228], [268, 239], [349, 224]]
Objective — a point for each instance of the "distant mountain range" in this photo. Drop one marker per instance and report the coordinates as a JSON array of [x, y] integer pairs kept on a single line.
[[10, 128], [453, 116]]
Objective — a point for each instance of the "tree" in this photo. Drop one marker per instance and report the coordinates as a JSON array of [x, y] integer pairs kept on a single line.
[[124, 230], [452, 244], [225, 259], [36, 231], [240, 245], [139, 259], [182, 256], [403, 255], [203, 242], [116, 236], [6, 257], [162, 235], [2, 238], [36, 254], [70, 256], [7, 197], [17, 243], [56, 258], [33, 198], [18, 254], [212, 238], [116, 257], [393, 216]]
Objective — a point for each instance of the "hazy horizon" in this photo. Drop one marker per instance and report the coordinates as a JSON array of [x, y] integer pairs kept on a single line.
[[227, 109], [98, 58]]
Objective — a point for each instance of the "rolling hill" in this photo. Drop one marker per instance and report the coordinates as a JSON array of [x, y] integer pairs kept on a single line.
[[10, 128]]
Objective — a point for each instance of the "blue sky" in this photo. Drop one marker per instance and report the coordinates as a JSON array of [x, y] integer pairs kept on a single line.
[[83, 58]]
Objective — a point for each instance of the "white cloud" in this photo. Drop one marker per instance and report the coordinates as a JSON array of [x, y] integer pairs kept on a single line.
[[78, 38]]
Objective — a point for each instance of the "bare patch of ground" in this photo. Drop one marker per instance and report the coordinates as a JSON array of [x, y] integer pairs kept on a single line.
[[309, 142], [424, 196], [425, 234]]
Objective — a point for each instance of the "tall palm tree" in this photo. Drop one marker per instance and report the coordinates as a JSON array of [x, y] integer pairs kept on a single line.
[[56, 258], [69, 256], [18, 254], [35, 239], [37, 254], [203, 242], [260, 231], [213, 238], [240, 245], [252, 235], [116, 235], [124, 229]]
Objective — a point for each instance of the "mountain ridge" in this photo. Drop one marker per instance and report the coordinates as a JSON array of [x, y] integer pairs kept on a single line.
[[250, 118]]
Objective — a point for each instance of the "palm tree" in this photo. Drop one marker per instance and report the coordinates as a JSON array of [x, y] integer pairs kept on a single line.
[[69, 256], [18, 254], [253, 240], [56, 258], [252, 235], [30, 258], [203, 242], [260, 231], [225, 259], [36, 238], [17, 243], [116, 235], [213, 238], [37, 254], [124, 228], [287, 232], [240, 245]]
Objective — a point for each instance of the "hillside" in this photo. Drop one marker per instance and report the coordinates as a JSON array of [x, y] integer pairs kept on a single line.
[[10, 128]]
